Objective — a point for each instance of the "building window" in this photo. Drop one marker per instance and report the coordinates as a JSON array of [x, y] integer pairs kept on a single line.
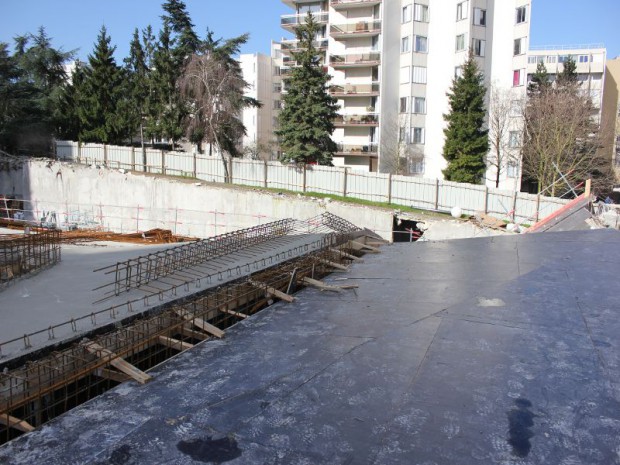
[[460, 42], [403, 104], [416, 166], [420, 13], [419, 105], [519, 46], [277, 104], [458, 72], [277, 87], [515, 108], [461, 10], [518, 77], [563, 58], [511, 170], [276, 71], [514, 139], [404, 44], [418, 136], [552, 58], [419, 75], [403, 135], [404, 74], [478, 46], [584, 58], [480, 17], [421, 44], [521, 14], [532, 60], [406, 14]]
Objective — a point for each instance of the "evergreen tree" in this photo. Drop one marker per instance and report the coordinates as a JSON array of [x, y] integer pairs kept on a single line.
[[70, 99], [99, 106], [540, 80], [18, 102], [178, 20], [307, 119], [166, 111], [467, 141], [568, 78], [136, 86]]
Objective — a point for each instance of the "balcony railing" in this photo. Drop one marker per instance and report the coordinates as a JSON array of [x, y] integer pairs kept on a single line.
[[361, 28], [355, 90], [368, 119], [369, 149], [292, 21], [293, 45], [355, 60], [344, 4]]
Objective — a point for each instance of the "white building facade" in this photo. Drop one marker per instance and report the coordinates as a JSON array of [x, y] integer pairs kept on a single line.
[[393, 61], [263, 85]]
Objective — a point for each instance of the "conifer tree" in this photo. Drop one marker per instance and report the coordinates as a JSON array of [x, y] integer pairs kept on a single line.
[[567, 79], [136, 86], [99, 106], [178, 20], [307, 119], [540, 80], [166, 111], [69, 101], [467, 142]]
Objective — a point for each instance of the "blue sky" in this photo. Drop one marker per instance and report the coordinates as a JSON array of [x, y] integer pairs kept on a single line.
[[74, 24]]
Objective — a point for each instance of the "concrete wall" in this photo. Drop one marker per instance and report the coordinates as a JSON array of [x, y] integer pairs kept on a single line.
[[127, 202]]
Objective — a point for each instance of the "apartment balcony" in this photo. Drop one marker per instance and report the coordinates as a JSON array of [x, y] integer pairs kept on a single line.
[[367, 150], [355, 90], [358, 60], [354, 30], [349, 4], [290, 22], [288, 46], [362, 120]]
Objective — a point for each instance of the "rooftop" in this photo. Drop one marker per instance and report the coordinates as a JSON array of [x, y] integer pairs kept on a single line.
[[487, 350]]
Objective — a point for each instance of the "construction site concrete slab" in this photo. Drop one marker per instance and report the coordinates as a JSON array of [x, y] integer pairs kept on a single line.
[[66, 291], [500, 350]]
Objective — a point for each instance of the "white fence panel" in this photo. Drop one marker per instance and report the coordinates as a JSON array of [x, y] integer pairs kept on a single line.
[[119, 157], [210, 169], [92, 153], [324, 180], [525, 211], [153, 161], [179, 163], [368, 186], [550, 204], [469, 197], [66, 150], [414, 192], [500, 204], [248, 172], [289, 177]]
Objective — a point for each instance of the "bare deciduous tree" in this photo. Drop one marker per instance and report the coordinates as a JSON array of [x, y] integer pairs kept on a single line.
[[503, 121], [563, 138]]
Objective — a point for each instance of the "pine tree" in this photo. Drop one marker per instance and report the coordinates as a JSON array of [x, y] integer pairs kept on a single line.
[[98, 111], [70, 99], [136, 86], [178, 20], [166, 109], [568, 78], [467, 141], [540, 80], [307, 119]]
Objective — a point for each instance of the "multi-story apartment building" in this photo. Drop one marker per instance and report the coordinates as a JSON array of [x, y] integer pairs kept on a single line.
[[263, 85], [611, 111], [393, 61]]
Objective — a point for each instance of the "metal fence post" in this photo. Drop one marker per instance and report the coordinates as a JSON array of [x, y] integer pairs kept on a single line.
[[265, 169], [514, 206], [194, 170], [163, 162], [105, 154], [344, 182], [537, 216], [436, 194], [230, 170], [486, 199], [303, 187], [133, 158], [389, 195], [79, 154]]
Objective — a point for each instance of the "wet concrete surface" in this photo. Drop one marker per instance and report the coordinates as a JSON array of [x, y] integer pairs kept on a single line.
[[492, 350]]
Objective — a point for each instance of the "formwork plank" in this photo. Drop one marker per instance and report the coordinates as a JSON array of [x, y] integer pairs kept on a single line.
[[202, 324], [117, 362], [16, 423], [273, 291]]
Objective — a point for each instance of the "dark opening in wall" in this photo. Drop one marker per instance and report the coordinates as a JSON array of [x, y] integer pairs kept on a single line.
[[405, 230]]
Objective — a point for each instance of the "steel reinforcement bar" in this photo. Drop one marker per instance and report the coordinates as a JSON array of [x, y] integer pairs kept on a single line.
[[135, 272], [24, 254], [43, 389]]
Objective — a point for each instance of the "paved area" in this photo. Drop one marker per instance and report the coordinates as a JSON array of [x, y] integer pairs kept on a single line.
[[498, 350], [65, 291]]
